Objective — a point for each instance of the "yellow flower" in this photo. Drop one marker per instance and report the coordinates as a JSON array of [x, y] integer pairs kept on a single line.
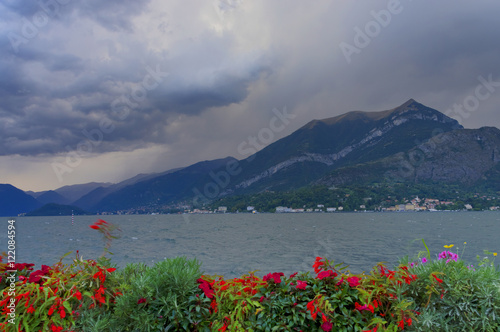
[[494, 254], [448, 246], [465, 242]]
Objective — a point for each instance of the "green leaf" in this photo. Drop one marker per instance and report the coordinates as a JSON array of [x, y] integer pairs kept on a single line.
[[63, 256], [67, 306], [428, 251]]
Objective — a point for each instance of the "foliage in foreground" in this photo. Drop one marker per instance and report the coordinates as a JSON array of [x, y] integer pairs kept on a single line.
[[468, 298], [423, 294]]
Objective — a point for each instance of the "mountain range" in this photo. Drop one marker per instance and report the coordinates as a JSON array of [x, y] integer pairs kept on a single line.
[[411, 143]]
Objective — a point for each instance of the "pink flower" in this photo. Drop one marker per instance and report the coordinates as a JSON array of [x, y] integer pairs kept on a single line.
[[327, 326], [424, 260], [448, 255], [353, 281], [364, 307]]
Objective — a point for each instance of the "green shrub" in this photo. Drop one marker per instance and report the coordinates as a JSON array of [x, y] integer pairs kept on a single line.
[[159, 297], [467, 299]]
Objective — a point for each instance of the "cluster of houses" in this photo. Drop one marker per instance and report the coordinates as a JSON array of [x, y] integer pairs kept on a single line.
[[319, 208], [416, 204]]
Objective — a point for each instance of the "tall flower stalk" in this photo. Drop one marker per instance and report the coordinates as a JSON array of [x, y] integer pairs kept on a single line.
[[109, 231]]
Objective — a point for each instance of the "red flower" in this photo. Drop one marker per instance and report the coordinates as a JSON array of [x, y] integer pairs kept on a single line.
[[56, 328], [301, 284], [36, 276], [437, 279], [276, 276], [100, 275], [142, 300], [78, 295], [31, 309], [317, 264], [353, 281], [94, 227], [326, 274], [293, 275], [100, 222], [99, 295], [213, 305], [22, 266], [111, 269], [206, 288], [62, 313], [311, 307], [364, 307], [327, 326]]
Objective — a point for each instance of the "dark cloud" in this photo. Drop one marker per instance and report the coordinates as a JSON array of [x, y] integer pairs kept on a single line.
[[62, 94], [229, 63]]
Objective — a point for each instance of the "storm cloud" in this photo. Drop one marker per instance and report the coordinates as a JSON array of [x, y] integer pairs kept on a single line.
[[165, 84]]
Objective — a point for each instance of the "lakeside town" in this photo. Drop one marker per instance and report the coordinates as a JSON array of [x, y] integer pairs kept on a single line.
[[415, 204]]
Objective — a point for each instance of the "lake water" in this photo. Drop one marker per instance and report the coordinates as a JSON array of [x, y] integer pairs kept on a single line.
[[234, 244]]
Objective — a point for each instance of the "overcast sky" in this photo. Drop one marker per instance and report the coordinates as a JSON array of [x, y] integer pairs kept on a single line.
[[95, 90]]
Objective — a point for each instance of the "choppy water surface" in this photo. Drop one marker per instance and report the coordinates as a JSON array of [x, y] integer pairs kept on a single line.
[[234, 244]]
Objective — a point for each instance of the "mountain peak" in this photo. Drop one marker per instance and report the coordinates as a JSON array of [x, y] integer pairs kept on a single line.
[[409, 102], [410, 105]]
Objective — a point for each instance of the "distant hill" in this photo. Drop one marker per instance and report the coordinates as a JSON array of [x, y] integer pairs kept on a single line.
[[14, 201], [92, 198], [53, 209], [161, 190], [74, 192], [52, 196]]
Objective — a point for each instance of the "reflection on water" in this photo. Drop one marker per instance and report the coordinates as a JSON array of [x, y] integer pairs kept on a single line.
[[234, 244]]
